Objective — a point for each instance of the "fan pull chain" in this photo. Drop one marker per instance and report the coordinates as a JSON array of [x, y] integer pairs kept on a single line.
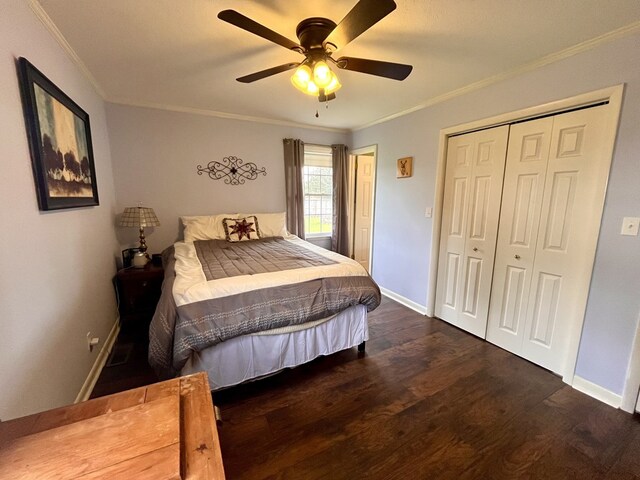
[[326, 107]]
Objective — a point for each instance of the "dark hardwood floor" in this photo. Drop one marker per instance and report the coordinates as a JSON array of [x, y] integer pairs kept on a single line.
[[127, 366], [425, 401]]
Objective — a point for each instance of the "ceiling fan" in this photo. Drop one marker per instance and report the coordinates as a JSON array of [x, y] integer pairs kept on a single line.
[[319, 37]]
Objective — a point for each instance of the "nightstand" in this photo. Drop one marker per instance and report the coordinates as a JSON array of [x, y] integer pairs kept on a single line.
[[138, 293]]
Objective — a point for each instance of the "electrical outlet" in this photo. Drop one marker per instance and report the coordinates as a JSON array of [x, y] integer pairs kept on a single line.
[[92, 341]]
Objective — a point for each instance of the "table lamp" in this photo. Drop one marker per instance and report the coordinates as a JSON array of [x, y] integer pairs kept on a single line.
[[139, 217]]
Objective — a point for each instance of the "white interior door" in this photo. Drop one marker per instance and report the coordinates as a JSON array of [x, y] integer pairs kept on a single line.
[[363, 211], [473, 189], [541, 284], [524, 179]]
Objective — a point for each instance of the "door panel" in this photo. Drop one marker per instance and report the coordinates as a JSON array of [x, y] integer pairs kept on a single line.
[[569, 225], [451, 279], [473, 189], [472, 286], [363, 211], [563, 192], [545, 308], [522, 222], [525, 172], [555, 180], [458, 208], [454, 219], [512, 313], [480, 205]]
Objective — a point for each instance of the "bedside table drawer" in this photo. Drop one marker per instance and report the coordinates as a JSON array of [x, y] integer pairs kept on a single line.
[[140, 295], [139, 290]]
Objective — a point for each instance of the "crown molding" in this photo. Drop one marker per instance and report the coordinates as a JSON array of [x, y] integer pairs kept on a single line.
[[231, 116], [57, 35], [546, 60]]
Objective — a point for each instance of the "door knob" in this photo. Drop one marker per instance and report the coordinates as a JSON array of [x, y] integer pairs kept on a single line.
[[475, 249], [517, 257]]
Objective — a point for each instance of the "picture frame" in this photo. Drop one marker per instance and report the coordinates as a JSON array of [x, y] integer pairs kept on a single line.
[[59, 135], [127, 256], [404, 167]]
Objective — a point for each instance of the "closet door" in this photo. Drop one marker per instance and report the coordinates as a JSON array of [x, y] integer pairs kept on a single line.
[[548, 234], [572, 206], [524, 179], [473, 188]]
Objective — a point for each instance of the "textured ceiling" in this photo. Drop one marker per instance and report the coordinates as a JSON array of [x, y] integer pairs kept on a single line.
[[177, 54]]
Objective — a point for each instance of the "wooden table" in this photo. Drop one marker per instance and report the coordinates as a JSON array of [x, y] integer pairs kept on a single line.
[[163, 431]]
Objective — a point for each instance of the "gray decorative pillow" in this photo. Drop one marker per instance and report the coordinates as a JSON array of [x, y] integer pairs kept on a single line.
[[241, 229]]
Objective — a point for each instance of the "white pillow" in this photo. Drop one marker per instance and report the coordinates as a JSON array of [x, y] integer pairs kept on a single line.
[[206, 227], [270, 224]]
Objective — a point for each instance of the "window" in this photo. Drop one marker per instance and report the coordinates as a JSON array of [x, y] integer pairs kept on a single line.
[[318, 191]]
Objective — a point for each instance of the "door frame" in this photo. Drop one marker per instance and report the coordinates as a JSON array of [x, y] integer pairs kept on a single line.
[[612, 94], [369, 149]]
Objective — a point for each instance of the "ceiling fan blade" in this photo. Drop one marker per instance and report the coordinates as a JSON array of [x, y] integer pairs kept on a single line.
[[362, 16], [239, 20], [396, 71], [267, 73]]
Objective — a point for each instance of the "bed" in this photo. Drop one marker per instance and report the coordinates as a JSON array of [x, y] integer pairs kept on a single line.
[[242, 299]]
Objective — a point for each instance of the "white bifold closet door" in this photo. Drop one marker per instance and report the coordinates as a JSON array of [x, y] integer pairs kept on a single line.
[[554, 185], [473, 187]]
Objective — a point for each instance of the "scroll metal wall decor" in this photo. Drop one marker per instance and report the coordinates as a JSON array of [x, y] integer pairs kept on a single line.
[[233, 170]]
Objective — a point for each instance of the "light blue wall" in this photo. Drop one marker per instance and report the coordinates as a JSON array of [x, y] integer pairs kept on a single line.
[[156, 154], [57, 266], [402, 237]]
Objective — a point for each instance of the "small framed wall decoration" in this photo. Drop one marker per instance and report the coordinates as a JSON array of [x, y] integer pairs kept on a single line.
[[60, 143], [404, 167], [127, 256]]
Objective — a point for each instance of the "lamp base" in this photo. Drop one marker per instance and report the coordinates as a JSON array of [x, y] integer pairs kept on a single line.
[[139, 260]]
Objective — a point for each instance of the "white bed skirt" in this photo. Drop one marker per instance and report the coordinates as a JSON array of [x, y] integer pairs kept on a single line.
[[251, 356]]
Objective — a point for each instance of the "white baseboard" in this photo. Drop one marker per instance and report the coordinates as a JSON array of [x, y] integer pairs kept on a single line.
[[421, 309], [98, 365], [596, 391]]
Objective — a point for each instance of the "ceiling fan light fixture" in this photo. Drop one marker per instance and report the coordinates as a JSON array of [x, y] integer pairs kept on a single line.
[[312, 89], [334, 84], [301, 79], [322, 74], [303, 74], [304, 79]]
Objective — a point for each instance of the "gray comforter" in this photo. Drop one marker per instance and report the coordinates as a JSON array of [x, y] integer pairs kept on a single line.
[[176, 332]]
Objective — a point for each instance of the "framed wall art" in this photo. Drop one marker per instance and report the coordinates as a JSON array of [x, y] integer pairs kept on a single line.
[[404, 167], [127, 256], [60, 143]]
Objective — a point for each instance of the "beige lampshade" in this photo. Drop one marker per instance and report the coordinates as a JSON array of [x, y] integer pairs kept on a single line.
[[139, 217]]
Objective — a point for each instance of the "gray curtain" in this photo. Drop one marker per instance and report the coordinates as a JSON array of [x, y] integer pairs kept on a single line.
[[293, 166], [340, 235]]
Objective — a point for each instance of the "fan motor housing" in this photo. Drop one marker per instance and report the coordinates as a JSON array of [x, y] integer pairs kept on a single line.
[[313, 31]]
